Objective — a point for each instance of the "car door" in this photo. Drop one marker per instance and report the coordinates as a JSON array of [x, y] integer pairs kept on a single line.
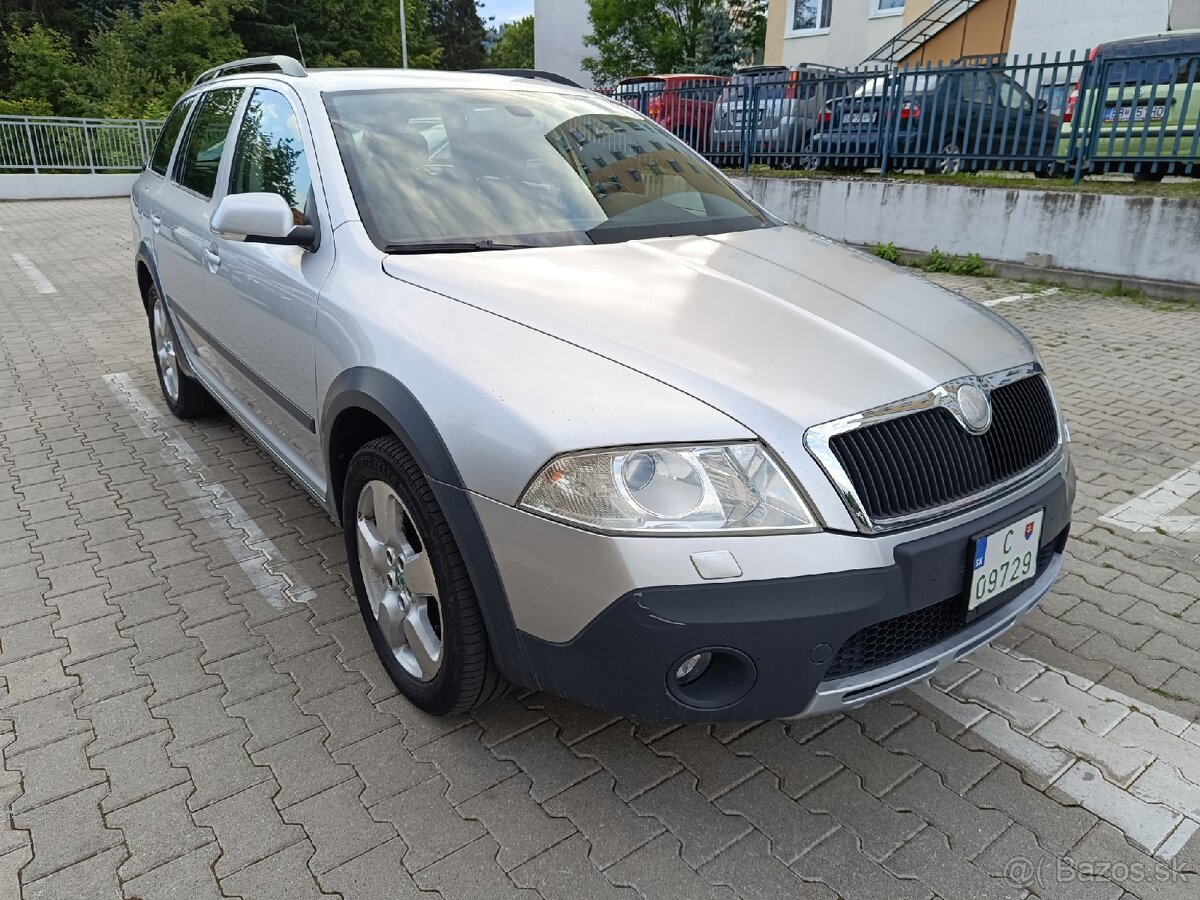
[[261, 306], [185, 204], [145, 199], [1029, 131]]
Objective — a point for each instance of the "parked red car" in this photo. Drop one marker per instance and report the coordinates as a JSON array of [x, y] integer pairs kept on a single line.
[[683, 104]]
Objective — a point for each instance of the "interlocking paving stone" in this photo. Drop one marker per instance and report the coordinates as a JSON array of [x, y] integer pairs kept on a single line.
[[468, 767], [1057, 827], [374, 874], [657, 872], [564, 873], [520, 827], [283, 875], [633, 765], [749, 868], [137, 770], [65, 832], [702, 829], [929, 859], [430, 827], [880, 829], [349, 717], [1051, 877], [94, 878], [248, 827], [187, 877], [472, 871], [879, 768], [717, 768], [338, 825], [612, 828], [384, 765], [792, 829], [219, 768], [551, 766], [303, 767], [969, 828]]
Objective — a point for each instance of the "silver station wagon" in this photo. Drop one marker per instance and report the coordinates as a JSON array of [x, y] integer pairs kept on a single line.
[[593, 421]]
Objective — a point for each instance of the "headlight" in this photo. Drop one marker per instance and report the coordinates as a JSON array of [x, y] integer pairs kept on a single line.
[[712, 488]]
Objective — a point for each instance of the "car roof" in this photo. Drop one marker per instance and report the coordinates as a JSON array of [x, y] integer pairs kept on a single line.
[[1132, 42], [365, 79]]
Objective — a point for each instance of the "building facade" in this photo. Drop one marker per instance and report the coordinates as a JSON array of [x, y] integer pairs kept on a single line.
[[849, 33], [559, 29]]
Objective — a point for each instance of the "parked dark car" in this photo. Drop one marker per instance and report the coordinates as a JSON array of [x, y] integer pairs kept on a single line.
[[774, 107], [682, 104], [943, 122]]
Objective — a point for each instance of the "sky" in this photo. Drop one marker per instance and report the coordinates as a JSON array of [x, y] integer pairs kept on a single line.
[[507, 10]]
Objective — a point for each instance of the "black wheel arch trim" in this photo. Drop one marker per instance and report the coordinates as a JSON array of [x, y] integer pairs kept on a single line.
[[381, 395]]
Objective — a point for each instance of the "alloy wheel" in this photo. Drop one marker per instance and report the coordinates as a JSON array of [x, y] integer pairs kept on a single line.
[[951, 161], [398, 577], [164, 349]]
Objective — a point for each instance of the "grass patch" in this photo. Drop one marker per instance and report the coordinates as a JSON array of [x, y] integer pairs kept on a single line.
[[936, 261], [1014, 181]]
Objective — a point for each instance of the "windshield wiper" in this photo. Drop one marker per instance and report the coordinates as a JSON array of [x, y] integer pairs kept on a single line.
[[452, 247]]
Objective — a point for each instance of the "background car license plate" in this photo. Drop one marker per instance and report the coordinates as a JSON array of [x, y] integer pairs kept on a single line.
[[860, 118], [1005, 559]]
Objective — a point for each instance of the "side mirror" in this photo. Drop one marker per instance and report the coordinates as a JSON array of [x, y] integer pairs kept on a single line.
[[1043, 105], [261, 219]]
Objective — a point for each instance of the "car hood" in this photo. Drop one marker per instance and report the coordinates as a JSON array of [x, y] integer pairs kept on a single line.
[[777, 328]]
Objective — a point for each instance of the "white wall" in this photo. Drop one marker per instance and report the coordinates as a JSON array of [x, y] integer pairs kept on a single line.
[[559, 29], [1185, 14], [1127, 237], [61, 187], [1044, 26], [853, 34]]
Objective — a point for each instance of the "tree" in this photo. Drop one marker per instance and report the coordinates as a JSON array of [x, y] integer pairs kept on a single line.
[[514, 47], [720, 44], [457, 27], [633, 37], [43, 69]]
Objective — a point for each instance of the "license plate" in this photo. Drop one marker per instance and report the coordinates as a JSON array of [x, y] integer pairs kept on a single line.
[[1004, 559], [739, 117], [1135, 113], [861, 118]]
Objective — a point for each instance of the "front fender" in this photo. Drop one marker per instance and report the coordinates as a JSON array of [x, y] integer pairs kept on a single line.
[[390, 401]]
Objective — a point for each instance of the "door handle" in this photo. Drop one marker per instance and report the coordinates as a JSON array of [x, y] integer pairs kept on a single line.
[[156, 221], [213, 257]]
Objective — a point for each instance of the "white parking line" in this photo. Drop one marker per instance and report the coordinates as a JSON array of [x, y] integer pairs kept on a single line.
[[268, 571], [999, 301], [1152, 510], [1126, 761], [34, 274]]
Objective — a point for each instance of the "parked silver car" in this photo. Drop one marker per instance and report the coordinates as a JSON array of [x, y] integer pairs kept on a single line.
[[593, 421], [773, 108]]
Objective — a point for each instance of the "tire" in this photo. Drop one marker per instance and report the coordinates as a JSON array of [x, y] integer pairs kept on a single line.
[[1148, 177], [1049, 170], [185, 396], [413, 589], [809, 160]]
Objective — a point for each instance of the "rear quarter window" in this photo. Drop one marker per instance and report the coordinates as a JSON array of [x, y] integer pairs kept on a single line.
[[168, 136]]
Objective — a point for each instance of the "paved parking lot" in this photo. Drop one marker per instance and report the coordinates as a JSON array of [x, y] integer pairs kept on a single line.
[[190, 707]]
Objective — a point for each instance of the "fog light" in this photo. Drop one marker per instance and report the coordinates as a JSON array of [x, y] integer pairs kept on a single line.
[[692, 668]]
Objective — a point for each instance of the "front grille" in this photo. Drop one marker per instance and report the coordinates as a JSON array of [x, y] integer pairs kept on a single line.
[[926, 460], [893, 639]]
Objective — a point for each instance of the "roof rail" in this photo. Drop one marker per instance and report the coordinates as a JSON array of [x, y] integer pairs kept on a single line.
[[284, 64], [531, 73]]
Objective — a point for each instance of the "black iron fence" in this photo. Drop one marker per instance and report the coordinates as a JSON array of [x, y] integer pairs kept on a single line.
[[1071, 114]]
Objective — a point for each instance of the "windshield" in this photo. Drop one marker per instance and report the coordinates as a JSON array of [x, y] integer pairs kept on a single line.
[[523, 168]]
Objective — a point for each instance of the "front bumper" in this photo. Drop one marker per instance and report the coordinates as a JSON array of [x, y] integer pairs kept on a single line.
[[778, 638]]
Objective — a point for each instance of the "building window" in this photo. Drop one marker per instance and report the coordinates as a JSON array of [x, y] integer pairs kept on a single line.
[[887, 7], [810, 15]]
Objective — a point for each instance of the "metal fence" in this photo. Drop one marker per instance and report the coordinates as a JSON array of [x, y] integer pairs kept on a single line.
[[46, 145], [1073, 114]]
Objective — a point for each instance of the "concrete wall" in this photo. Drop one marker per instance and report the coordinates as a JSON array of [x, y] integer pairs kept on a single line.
[[61, 187], [1129, 237], [1185, 14], [559, 27], [853, 34], [1044, 27]]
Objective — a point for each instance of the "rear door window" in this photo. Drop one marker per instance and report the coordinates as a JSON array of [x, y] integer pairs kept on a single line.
[[168, 136], [199, 159]]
